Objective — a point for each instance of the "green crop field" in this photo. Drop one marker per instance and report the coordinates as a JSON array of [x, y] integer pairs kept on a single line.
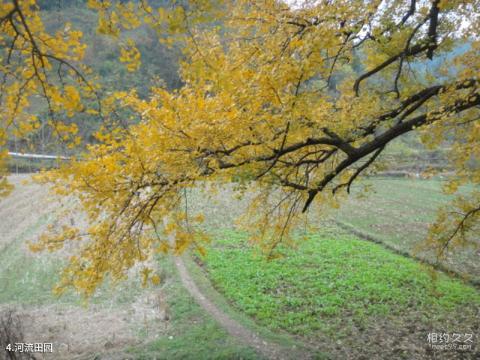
[[335, 289]]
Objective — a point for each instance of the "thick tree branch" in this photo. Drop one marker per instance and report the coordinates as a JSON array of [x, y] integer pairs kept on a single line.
[[432, 29], [358, 171], [382, 140]]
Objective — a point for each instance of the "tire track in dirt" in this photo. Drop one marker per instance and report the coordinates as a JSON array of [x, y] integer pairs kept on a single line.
[[247, 337], [235, 329]]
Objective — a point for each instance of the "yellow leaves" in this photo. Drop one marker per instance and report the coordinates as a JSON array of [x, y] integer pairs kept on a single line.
[[182, 241], [44, 68], [54, 239], [65, 132], [115, 17], [451, 187], [107, 25], [149, 276], [92, 111], [200, 218], [163, 248], [145, 273], [26, 124], [130, 56], [170, 227], [71, 100], [456, 226], [155, 279], [201, 251], [128, 15], [5, 8], [98, 4], [444, 5], [5, 186]]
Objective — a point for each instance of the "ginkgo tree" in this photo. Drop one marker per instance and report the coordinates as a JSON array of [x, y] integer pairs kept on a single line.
[[291, 101]]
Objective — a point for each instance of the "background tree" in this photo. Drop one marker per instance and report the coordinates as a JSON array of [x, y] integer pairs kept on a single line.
[[292, 102]]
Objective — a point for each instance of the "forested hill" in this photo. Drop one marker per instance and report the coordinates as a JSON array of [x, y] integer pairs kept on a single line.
[[158, 62], [158, 66]]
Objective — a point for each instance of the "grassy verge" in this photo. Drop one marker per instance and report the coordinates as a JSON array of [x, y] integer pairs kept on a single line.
[[339, 292], [192, 334]]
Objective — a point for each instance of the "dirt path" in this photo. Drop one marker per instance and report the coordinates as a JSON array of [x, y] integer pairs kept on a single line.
[[249, 338], [234, 328]]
